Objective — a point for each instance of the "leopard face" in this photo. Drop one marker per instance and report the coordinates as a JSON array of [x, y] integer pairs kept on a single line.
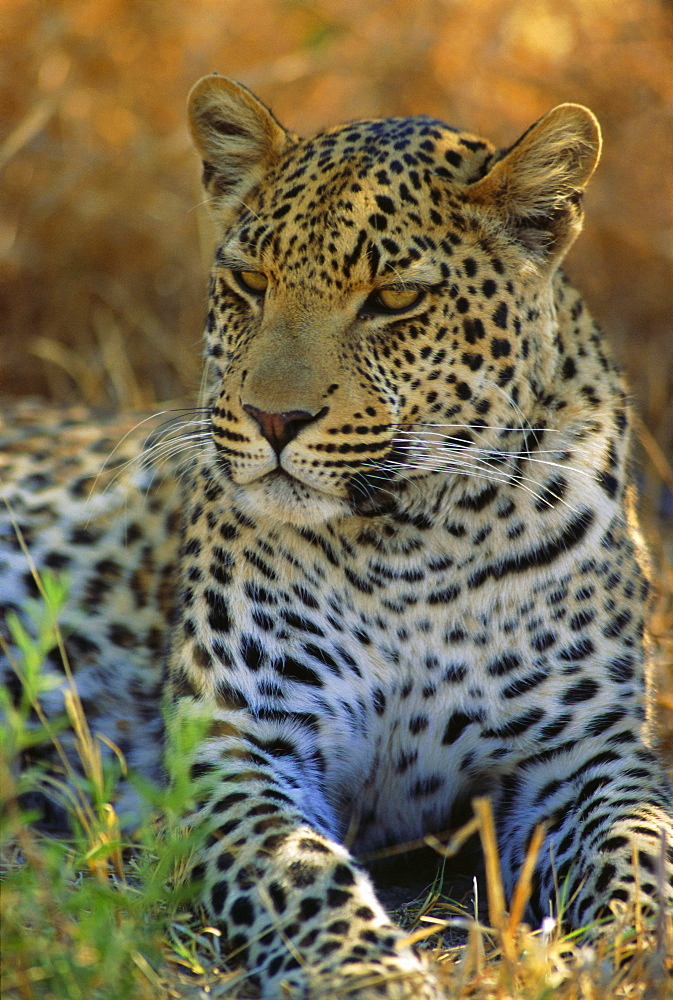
[[375, 312]]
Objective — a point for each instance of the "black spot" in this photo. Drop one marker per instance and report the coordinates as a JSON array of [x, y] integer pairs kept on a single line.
[[218, 619], [328, 947], [242, 912], [229, 800], [302, 874], [252, 652], [524, 684], [56, 560], [302, 624], [218, 896], [193, 547], [581, 619], [454, 673], [472, 361], [604, 722], [198, 872], [621, 669], [379, 700], [542, 555], [577, 651], [343, 875], [309, 907], [500, 316], [584, 690], [614, 844], [555, 728], [478, 501], [274, 966], [338, 927], [352, 258], [260, 564], [455, 727], [316, 846], [323, 656], [592, 786], [222, 831], [78, 488], [503, 664], [617, 624], [569, 368], [473, 330], [262, 620], [305, 597], [542, 641], [337, 897], [378, 222], [385, 204], [81, 648], [278, 898], [418, 723], [608, 483], [427, 786], [500, 347], [277, 747], [515, 727], [229, 696], [122, 636], [553, 492], [445, 596], [202, 657], [296, 671]]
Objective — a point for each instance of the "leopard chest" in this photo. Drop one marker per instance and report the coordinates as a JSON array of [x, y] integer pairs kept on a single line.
[[382, 660]]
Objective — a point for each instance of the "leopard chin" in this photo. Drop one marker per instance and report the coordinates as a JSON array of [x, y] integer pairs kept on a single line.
[[280, 497]]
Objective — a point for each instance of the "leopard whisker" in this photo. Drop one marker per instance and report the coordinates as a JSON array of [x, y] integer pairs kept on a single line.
[[487, 474], [524, 425], [422, 425], [151, 416], [486, 454], [159, 452]]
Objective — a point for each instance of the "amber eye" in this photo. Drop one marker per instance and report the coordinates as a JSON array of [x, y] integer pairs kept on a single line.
[[252, 281], [395, 298]]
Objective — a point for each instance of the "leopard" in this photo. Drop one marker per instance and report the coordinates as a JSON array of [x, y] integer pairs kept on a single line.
[[393, 555]]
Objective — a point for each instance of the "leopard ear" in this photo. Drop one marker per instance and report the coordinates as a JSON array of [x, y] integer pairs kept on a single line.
[[236, 136], [536, 186]]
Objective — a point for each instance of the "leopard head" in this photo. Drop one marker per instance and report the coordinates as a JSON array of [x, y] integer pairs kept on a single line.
[[381, 297]]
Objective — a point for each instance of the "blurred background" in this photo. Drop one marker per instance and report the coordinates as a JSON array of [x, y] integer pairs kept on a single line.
[[104, 246]]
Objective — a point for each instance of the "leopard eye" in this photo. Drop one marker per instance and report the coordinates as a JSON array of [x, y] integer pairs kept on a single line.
[[396, 298], [252, 281]]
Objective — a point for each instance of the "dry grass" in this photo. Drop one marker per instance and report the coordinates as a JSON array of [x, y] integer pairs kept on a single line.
[[104, 248], [99, 241]]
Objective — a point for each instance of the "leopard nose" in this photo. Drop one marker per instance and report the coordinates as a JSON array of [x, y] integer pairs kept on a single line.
[[281, 428]]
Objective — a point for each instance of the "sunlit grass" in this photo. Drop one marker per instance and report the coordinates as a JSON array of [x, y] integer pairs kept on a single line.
[[96, 915], [90, 913]]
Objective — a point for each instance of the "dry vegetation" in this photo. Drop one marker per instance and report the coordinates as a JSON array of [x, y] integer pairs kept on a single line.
[[104, 247]]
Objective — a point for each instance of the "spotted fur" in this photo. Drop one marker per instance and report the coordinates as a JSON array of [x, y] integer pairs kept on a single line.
[[393, 554]]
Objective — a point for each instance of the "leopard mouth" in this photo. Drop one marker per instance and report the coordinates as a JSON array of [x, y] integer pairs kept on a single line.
[[283, 497], [368, 492]]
